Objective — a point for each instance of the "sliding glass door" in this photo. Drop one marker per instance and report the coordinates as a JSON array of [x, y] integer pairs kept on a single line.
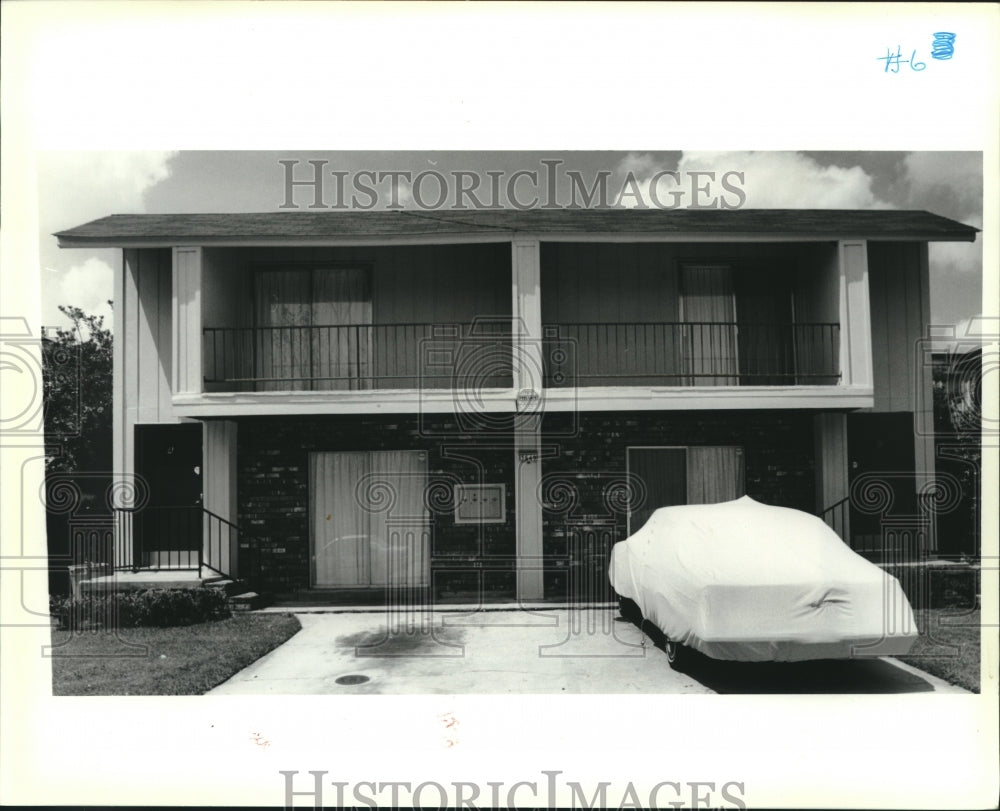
[[313, 329], [708, 310]]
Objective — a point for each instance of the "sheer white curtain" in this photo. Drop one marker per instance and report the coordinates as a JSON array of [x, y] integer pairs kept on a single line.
[[342, 315], [281, 342], [707, 297], [314, 329], [714, 474], [370, 526]]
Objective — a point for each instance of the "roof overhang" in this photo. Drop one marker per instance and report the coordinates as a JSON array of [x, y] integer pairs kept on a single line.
[[413, 227]]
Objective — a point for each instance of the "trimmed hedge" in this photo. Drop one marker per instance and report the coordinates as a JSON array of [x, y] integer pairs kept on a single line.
[[939, 586], [157, 608]]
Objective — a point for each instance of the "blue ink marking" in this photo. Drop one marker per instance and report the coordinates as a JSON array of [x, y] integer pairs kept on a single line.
[[894, 60], [943, 46]]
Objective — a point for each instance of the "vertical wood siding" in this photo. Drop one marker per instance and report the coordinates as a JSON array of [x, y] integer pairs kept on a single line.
[[426, 284], [628, 282], [897, 281], [143, 349], [147, 336]]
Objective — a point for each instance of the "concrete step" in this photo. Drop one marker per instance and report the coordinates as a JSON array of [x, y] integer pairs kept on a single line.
[[247, 601]]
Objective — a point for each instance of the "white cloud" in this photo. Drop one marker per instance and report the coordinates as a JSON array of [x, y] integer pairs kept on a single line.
[[788, 179], [770, 180], [641, 165], [947, 183], [77, 187], [87, 286]]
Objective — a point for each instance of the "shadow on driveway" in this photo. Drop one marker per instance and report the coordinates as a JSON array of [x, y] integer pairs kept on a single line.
[[827, 676]]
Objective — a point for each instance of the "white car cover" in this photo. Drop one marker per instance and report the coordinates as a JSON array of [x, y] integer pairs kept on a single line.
[[749, 582]]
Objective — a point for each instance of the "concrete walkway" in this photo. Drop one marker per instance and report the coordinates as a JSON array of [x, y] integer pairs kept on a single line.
[[550, 651]]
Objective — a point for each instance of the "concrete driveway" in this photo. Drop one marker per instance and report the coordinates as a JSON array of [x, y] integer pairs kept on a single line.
[[549, 651]]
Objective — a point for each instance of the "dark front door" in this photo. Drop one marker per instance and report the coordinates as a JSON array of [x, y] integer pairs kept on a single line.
[[880, 449], [168, 530], [663, 474]]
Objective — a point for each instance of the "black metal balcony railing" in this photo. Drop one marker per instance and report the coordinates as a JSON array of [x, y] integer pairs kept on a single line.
[[359, 357], [691, 354], [460, 356]]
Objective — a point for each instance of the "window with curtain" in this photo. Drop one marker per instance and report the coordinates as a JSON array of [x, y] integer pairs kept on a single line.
[[706, 474], [708, 312], [313, 329], [715, 473]]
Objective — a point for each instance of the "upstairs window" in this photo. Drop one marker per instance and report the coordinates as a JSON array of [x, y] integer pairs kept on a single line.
[[313, 328]]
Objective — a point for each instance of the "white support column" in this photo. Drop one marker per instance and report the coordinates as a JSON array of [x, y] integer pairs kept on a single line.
[[528, 476], [924, 445], [527, 312], [528, 382], [121, 425], [855, 314], [124, 297], [219, 497], [187, 378]]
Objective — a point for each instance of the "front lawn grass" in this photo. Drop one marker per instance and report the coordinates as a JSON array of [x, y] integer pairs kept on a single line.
[[187, 660], [943, 627]]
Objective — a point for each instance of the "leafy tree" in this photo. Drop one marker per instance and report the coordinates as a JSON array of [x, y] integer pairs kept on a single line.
[[77, 379], [958, 437]]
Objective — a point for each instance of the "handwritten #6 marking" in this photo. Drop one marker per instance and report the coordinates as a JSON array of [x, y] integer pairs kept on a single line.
[[942, 48]]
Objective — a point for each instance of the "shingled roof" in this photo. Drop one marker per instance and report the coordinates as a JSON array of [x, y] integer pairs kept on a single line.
[[315, 226]]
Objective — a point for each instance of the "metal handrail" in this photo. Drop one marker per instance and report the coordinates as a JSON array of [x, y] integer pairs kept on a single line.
[[181, 538], [837, 516]]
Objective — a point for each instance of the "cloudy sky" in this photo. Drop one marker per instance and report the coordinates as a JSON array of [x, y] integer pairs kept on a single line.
[[76, 187]]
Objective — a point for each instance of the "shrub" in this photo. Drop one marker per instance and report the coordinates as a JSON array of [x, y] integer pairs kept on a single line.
[[953, 585], [143, 608]]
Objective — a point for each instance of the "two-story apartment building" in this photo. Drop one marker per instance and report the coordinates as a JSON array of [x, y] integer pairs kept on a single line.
[[466, 404]]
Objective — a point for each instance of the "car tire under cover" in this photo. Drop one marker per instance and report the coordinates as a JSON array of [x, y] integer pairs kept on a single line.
[[677, 654]]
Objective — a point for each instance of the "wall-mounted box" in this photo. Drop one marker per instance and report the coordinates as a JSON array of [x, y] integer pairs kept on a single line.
[[480, 504]]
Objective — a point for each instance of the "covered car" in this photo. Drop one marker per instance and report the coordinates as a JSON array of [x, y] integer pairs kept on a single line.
[[745, 581]]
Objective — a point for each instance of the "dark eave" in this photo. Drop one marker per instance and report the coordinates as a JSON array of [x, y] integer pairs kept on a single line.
[[311, 227]]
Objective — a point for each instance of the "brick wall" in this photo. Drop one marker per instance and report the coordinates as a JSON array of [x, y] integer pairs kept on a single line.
[[472, 560], [778, 458], [273, 492]]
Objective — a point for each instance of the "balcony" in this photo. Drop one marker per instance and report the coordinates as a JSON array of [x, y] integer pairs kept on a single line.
[[358, 357], [691, 354], [402, 329]]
